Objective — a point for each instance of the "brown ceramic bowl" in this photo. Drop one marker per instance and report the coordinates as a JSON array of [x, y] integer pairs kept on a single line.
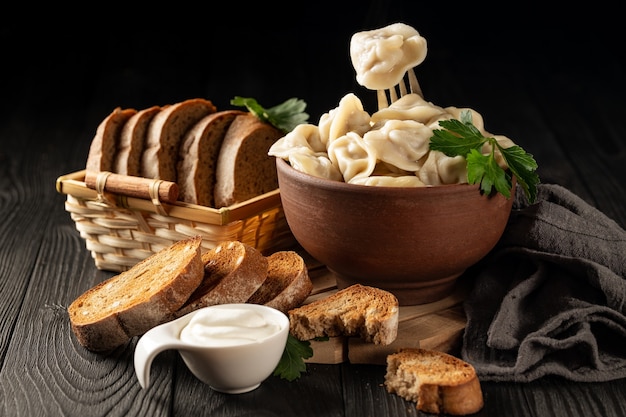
[[413, 242]]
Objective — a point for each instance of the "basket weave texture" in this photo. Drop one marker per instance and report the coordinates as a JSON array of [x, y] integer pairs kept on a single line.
[[120, 231]]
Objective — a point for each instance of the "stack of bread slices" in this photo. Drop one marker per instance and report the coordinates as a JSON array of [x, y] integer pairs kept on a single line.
[[180, 279], [216, 157]]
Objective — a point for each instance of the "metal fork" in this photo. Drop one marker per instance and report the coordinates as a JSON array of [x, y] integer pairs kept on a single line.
[[414, 87]]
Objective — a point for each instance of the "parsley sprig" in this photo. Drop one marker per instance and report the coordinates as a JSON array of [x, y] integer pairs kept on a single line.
[[291, 364], [285, 116], [461, 137]]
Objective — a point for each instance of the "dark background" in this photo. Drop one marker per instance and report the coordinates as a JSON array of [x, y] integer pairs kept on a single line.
[[272, 53]]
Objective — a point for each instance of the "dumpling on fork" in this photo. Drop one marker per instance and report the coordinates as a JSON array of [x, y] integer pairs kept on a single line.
[[381, 57]]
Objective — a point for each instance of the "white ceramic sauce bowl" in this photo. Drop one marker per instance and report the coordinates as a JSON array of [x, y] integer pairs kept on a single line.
[[230, 369]]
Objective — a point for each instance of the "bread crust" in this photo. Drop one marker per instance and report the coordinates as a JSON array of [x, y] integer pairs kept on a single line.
[[198, 155], [437, 382], [244, 168], [358, 310], [287, 284], [233, 271], [129, 304], [165, 133], [104, 144]]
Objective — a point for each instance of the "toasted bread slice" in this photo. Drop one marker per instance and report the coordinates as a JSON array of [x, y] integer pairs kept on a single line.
[[233, 271], [104, 144], [358, 310], [439, 383], [198, 157], [165, 134], [287, 284], [244, 168], [129, 304], [131, 142]]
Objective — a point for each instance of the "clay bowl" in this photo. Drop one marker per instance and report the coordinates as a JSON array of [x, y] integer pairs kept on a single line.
[[413, 242]]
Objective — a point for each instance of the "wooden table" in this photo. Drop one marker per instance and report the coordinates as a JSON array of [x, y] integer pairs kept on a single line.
[[560, 97]]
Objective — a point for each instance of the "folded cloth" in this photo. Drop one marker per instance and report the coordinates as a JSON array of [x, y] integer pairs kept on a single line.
[[550, 298]]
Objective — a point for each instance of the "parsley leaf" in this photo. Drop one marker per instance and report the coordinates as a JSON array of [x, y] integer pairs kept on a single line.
[[461, 137], [291, 364], [285, 116], [523, 166], [484, 170]]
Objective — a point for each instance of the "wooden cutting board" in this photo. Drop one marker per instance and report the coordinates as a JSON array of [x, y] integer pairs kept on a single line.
[[438, 326]]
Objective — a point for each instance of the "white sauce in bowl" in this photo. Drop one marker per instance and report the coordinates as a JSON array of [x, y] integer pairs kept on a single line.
[[227, 326]]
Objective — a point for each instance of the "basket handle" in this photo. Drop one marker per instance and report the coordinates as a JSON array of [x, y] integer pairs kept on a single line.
[[146, 188]]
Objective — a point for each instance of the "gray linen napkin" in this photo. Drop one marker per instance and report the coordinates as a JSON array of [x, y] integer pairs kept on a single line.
[[550, 299]]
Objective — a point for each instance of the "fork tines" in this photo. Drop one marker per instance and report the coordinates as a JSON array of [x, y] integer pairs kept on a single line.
[[386, 97]]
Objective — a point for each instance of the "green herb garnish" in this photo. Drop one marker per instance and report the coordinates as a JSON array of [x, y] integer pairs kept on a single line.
[[291, 364], [285, 116], [462, 138]]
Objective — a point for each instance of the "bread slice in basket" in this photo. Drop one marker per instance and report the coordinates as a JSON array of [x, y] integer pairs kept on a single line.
[[127, 161], [198, 154], [165, 133], [437, 382], [244, 168], [104, 144], [129, 304]]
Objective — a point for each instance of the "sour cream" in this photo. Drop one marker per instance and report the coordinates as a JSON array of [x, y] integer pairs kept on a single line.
[[228, 326]]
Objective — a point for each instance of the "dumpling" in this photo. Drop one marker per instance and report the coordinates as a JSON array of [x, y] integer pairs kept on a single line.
[[441, 169], [383, 168], [381, 57], [352, 156], [317, 164], [452, 170], [455, 113], [303, 137], [410, 107], [389, 181], [349, 116], [400, 142]]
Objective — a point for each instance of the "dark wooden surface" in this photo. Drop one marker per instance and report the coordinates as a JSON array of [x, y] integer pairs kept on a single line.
[[553, 83]]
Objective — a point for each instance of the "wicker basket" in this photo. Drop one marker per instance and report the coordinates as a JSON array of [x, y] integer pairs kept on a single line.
[[121, 231]]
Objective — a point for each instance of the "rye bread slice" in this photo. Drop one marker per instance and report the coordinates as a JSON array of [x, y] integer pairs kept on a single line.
[[131, 303], [244, 168], [358, 310], [287, 284], [131, 142], [198, 157], [165, 134], [233, 271], [437, 382], [104, 144]]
